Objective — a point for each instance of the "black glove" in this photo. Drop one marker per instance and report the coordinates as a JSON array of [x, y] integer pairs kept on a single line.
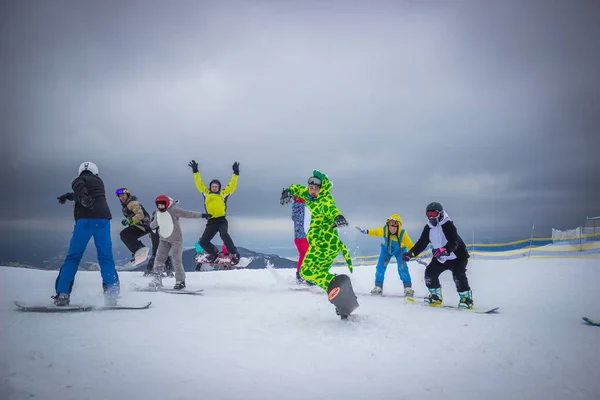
[[340, 221], [67, 196], [236, 168], [286, 197], [194, 166], [206, 216], [407, 256]]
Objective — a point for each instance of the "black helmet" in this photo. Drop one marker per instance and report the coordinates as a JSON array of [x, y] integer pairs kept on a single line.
[[435, 206], [218, 182]]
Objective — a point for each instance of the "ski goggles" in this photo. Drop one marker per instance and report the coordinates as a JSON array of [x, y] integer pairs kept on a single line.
[[313, 180], [392, 222], [432, 214], [121, 191]]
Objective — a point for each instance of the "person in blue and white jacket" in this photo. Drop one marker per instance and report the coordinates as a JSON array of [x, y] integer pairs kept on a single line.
[[449, 253]]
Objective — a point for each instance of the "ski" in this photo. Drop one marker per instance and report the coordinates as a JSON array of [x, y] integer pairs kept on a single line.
[[411, 300], [592, 322], [76, 308]]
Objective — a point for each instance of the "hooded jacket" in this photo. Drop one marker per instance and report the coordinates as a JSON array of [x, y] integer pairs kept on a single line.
[[133, 209], [215, 203], [392, 242], [167, 222], [444, 234]]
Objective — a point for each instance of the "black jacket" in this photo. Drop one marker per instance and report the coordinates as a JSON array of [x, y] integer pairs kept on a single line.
[[90, 197]]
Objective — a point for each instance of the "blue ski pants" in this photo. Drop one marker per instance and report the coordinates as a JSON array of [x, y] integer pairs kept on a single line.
[[382, 263], [84, 230]]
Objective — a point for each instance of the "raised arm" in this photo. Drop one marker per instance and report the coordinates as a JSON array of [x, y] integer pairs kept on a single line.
[[231, 186]]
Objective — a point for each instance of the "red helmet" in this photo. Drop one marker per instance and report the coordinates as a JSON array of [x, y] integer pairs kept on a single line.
[[163, 199]]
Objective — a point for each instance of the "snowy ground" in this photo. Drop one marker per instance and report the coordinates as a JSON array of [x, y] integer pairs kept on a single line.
[[249, 337]]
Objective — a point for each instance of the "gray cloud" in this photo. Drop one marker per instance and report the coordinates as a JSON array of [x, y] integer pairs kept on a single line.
[[492, 109]]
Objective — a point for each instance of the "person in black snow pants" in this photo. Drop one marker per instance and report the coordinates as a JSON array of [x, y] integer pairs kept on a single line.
[[449, 253]]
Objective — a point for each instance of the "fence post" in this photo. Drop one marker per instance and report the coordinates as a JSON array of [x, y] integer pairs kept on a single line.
[[531, 240]]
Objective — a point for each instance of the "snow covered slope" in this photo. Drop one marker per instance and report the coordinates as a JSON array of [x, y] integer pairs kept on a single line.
[[250, 337]]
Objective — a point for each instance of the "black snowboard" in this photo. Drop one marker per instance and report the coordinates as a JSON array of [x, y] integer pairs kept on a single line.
[[341, 295], [75, 308]]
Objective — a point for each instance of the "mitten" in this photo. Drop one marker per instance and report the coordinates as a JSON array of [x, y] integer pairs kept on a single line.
[[441, 252], [340, 221], [286, 197], [194, 165]]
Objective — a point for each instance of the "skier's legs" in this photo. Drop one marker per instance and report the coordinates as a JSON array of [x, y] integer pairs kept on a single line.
[[154, 238], [212, 227], [459, 274], [79, 241], [130, 236], [161, 256], [177, 257], [302, 246], [227, 241], [382, 263], [103, 242], [433, 272], [403, 270], [316, 265]]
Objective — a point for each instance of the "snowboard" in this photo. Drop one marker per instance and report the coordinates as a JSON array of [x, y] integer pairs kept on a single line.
[[139, 257], [75, 308], [412, 300], [224, 260], [341, 295], [171, 291], [590, 321], [391, 295]]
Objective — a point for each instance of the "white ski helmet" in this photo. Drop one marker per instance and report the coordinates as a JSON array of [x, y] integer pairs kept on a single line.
[[88, 166]]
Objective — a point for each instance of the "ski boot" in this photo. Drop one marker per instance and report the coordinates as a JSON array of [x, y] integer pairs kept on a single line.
[[62, 299], [409, 292], [299, 279], [435, 297], [111, 294], [466, 300], [179, 285], [235, 258], [156, 282], [377, 290]]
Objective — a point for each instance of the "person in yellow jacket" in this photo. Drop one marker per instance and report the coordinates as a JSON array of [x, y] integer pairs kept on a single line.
[[395, 242], [215, 202]]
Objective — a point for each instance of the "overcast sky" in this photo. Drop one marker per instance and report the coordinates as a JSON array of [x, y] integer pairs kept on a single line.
[[491, 108]]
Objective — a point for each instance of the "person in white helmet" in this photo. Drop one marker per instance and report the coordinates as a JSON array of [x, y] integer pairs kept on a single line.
[[92, 219]]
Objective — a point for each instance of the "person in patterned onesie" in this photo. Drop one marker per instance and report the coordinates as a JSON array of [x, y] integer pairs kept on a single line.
[[323, 239], [301, 219]]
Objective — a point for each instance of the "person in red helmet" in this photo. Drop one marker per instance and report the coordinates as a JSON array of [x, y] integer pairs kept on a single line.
[[171, 238]]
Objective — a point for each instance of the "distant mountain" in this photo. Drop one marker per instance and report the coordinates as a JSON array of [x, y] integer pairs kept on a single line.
[[50, 257]]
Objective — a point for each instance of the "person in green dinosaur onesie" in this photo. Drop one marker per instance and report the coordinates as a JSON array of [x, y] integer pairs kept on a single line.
[[324, 241]]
